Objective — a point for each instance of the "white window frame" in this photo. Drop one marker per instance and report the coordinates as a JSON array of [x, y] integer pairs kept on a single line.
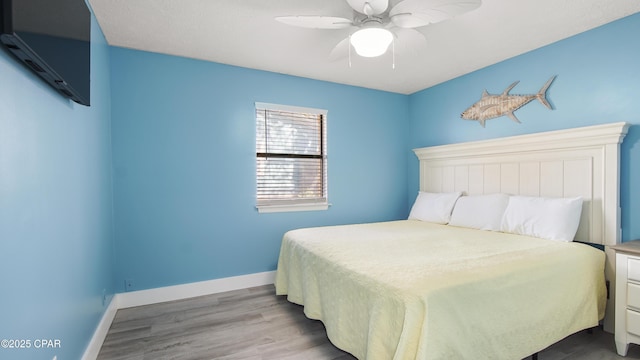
[[306, 205]]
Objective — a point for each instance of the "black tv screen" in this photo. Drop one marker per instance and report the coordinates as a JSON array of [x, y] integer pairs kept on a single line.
[[53, 37]]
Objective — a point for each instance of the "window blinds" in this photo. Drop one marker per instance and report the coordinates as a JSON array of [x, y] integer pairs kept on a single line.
[[291, 161]]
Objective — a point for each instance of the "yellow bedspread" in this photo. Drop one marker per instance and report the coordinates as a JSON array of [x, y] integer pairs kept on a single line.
[[415, 290]]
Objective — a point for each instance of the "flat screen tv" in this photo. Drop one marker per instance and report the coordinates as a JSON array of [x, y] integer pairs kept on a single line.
[[53, 38]]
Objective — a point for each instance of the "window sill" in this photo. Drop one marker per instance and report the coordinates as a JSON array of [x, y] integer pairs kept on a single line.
[[292, 207]]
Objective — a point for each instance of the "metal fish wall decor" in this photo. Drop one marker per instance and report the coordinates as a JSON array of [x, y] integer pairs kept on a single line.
[[492, 106]]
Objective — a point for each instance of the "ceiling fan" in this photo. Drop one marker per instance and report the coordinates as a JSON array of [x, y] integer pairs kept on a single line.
[[375, 25]]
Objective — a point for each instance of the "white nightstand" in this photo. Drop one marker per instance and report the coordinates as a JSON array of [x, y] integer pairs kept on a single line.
[[627, 295]]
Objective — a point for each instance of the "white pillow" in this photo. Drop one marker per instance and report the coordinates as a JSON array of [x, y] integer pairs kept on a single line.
[[547, 218], [434, 207], [483, 212]]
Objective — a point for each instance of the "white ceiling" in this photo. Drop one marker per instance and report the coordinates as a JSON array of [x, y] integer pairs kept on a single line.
[[244, 33]]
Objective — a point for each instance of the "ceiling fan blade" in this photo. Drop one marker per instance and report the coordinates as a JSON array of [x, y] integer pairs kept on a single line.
[[414, 20], [408, 39], [416, 13], [369, 7], [315, 21], [340, 51]]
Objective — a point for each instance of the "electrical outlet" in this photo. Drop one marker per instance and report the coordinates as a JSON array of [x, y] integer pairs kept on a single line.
[[128, 285]]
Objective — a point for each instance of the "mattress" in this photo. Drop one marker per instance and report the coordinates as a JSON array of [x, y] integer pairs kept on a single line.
[[417, 290]]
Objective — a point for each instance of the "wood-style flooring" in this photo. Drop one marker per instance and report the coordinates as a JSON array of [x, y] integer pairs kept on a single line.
[[254, 324]]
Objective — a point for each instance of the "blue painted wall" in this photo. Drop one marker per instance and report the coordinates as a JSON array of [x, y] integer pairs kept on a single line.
[[56, 237], [598, 82], [184, 165]]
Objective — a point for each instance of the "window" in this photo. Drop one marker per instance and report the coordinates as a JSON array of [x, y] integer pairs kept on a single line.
[[291, 158]]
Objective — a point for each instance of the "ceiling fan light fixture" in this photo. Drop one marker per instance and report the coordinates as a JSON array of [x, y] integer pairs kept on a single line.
[[371, 41]]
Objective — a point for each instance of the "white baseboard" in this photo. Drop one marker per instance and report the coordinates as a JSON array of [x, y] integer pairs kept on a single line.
[[91, 353], [185, 291], [170, 293]]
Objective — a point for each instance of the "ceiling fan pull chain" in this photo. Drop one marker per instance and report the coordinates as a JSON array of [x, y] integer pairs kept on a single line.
[[349, 51], [393, 53]]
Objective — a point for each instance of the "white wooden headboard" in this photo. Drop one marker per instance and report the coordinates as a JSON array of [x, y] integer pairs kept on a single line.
[[575, 162], [582, 161]]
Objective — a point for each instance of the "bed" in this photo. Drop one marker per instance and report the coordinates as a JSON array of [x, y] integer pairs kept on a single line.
[[415, 289]]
